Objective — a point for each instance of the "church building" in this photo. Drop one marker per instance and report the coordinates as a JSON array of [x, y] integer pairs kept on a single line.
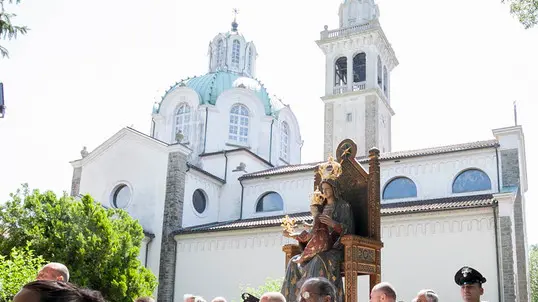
[[221, 166]]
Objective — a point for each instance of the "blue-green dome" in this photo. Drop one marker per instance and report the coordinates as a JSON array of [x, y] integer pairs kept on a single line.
[[210, 86]]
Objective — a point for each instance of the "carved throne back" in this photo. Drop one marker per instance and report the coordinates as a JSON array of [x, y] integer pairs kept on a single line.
[[360, 189], [362, 250]]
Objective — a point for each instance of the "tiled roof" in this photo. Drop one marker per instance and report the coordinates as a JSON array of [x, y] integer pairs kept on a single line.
[[439, 204], [383, 156], [419, 206]]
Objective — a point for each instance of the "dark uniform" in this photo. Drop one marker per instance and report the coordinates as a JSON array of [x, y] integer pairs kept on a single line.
[[466, 276]]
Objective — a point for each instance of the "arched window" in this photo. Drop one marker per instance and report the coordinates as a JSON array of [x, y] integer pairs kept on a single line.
[[400, 187], [340, 72], [238, 130], [359, 67], [270, 202], [379, 73], [220, 52], [385, 80], [285, 141], [182, 120], [236, 50], [471, 180]]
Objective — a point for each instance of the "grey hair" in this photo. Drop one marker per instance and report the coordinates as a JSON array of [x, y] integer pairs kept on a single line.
[[429, 294], [323, 285], [59, 269], [273, 297], [218, 299], [385, 288], [145, 299]]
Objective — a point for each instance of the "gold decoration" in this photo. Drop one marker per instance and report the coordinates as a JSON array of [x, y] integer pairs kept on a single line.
[[317, 198], [330, 169], [289, 224]]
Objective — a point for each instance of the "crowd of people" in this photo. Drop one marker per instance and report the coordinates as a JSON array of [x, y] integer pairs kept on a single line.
[[52, 285], [322, 290]]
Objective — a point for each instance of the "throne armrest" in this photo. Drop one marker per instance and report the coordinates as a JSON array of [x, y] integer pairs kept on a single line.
[[358, 241], [291, 250]]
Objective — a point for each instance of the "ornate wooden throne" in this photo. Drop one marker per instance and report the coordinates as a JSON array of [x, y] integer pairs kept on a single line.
[[362, 250]]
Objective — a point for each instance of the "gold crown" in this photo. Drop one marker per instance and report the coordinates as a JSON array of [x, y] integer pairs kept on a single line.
[[330, 169]]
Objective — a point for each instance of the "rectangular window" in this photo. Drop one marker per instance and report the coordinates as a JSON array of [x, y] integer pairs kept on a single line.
[[349, 117]]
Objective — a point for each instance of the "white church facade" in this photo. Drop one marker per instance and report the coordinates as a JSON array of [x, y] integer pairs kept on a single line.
[[221, 166]]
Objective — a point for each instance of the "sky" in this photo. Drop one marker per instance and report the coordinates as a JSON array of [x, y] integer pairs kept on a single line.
[[86, 69]]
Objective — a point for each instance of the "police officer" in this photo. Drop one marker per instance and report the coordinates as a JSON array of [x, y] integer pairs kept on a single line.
[[470, 281]]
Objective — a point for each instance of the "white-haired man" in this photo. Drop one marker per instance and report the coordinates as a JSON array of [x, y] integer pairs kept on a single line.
[[426, 295], [54, 271]]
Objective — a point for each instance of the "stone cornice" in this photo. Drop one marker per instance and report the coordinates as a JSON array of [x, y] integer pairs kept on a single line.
[[336, 97], [374, 35]]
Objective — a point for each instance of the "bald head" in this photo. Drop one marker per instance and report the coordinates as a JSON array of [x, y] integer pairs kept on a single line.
[[272, 297], [54, 272], [383, 291]]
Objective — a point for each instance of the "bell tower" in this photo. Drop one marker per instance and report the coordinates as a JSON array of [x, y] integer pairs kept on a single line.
[[359, 60]]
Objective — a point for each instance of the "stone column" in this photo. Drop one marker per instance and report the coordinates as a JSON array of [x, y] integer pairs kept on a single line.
[[172, 220], [371, 123]]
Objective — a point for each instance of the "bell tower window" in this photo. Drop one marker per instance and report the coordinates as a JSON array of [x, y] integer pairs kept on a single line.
[[359, 68], [340, 75], [385, 81], [379, 73], [236, 50]]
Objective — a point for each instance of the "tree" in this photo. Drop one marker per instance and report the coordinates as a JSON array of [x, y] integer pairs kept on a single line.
[[99, 246], [526, 11], [270, 285], [17, 269], [533, 269], [8, 30]]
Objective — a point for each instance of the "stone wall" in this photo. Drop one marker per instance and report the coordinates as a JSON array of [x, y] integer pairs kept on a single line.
[[521, 251], [75, 182], [509, 291], [371, 122], [173, 213], [329, 132], [510, 168]]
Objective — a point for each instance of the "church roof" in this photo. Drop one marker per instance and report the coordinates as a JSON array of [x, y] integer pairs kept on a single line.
[[383, 157], [211, 85], [387, 209]]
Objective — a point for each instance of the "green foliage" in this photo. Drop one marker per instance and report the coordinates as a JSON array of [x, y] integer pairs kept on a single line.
[[8, 30], [270, 285], [17, 269], [99, 246], [533, 268], [526, 11]]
